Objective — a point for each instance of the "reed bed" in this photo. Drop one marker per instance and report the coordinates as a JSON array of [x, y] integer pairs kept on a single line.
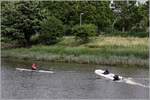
[[100, 50]]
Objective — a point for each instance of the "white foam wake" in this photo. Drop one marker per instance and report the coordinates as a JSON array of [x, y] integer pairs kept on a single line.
[[130, 81]]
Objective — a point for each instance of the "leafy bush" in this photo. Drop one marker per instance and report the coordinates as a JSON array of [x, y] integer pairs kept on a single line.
[[35, 39], [52, 30], [6, 39], [83, 32], [68, 30]]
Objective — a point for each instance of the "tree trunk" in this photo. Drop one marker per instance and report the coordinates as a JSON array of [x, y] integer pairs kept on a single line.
[[98, 30], [27, 38], [123, 29]]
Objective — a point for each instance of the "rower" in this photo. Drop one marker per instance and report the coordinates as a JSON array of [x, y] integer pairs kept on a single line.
[[106, 72], [34, 66], [116, 78]]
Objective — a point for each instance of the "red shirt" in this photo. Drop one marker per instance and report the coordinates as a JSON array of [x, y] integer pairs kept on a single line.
[[34, 66]]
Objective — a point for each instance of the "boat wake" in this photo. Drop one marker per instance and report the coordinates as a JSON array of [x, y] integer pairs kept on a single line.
[[132, 82]]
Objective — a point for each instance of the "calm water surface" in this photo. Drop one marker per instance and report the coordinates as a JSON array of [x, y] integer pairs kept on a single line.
[[70, 81]]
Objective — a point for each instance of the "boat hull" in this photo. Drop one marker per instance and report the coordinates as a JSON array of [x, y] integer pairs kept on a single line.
[[108, 76], [30, 70]]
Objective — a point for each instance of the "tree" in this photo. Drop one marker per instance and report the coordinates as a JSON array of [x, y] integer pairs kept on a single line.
[[95, 12], [29, 18], [8, 20], [83, 32], [132, 17], [23, 19], [125, 8], [104, 16], [52, 30]]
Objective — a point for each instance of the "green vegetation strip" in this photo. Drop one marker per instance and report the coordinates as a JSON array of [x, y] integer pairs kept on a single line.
[[101, 50]]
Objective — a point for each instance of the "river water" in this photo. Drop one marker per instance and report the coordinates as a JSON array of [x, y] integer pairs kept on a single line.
[[70, 81]]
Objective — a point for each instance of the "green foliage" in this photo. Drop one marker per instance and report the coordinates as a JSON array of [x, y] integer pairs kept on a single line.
[[95, 12], [83, 32], [20, 20], [136, 51], [6, 39], [132, 17], [8, 19], [52, 30]]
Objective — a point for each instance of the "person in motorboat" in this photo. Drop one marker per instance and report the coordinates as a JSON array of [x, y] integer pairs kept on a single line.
[[34, 66], [106, 72], [116, 78]]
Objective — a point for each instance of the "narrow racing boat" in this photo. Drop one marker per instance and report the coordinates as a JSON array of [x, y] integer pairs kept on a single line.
[[43, 71]]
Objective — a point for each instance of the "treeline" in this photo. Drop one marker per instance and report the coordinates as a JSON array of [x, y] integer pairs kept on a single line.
[[34, 22]]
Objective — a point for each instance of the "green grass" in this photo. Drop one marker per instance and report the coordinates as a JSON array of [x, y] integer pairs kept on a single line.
[[100, 50]]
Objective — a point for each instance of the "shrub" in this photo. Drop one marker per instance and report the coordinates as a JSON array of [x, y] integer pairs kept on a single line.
[[68, 30], [6, 39], [84, 32], [52, 30]]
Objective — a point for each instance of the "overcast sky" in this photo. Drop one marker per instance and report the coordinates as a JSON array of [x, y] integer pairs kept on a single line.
[[142, 1]]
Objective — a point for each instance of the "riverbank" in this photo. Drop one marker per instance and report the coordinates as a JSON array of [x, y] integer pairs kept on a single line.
[[100, 50]]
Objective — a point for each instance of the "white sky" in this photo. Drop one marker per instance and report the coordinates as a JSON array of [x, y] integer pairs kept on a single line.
[[142, 1]]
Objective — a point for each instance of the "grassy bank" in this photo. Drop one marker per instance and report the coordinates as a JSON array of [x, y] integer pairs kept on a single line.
[[100, 50]]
